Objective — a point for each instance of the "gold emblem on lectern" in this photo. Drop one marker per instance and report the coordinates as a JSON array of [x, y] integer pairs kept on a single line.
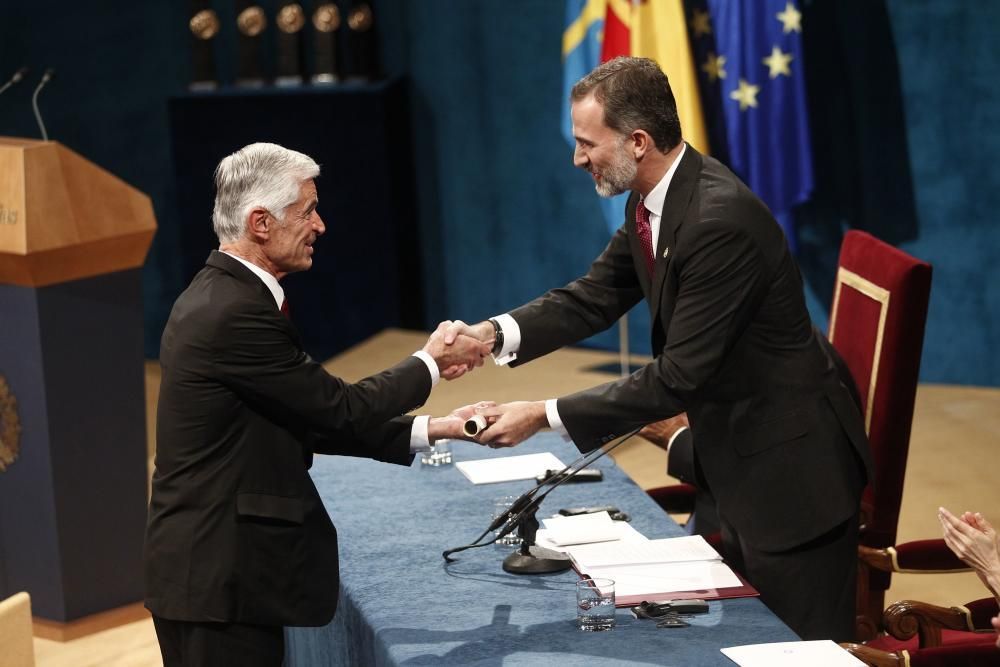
[[10, 426], [291, 18], [251, 21], [204, 24], [326, 18], [361, 18]]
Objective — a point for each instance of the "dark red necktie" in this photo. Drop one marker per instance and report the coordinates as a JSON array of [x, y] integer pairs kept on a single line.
[[284, 309], [645, 234]]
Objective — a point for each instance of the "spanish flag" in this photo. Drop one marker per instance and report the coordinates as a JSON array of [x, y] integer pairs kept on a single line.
[[658, 31]]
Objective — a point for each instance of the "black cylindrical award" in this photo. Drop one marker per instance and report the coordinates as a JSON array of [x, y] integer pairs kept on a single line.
[[251, 23], [362, 49], [204, 25], [290, 21], [326, 23]]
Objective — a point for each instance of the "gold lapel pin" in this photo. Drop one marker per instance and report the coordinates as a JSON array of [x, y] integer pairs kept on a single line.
[[666, 251]]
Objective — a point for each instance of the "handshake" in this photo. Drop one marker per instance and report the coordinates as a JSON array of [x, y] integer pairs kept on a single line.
[[458, 348]]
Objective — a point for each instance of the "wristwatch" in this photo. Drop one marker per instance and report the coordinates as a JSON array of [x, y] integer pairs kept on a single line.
[[497, 337]]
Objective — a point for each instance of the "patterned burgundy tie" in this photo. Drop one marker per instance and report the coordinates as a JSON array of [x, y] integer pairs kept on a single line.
[[645, 234]]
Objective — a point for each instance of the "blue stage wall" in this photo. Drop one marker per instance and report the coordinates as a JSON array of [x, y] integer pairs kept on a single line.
[[502, 213]]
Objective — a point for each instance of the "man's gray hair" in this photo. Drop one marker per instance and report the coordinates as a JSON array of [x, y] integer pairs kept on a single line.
[[260, 175]]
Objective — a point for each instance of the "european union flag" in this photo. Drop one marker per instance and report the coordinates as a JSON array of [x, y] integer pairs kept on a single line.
[[749, 57], [581, 51]]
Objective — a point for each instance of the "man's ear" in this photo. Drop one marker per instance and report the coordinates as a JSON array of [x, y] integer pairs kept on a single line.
[[259, 223], [642, 143]]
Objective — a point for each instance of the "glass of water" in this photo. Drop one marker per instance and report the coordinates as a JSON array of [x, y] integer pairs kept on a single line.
[[595, 604], [438, 455], [501, 505]]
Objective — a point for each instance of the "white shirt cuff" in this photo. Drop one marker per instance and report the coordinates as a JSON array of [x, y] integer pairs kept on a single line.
[[431, 366], [555, 422], [670, 443], [419, 439], [511, 340]]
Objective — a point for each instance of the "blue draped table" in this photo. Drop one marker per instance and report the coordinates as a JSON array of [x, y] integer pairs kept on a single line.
[[400, 603]]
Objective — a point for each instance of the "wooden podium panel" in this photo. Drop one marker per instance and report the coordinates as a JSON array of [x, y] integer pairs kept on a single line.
[[63, 217]]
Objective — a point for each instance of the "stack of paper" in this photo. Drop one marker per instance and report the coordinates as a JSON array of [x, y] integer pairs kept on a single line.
[[509, 468], [655, 569]]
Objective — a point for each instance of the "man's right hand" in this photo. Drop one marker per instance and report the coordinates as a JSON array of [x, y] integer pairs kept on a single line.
[[460, 356], [481, 332]]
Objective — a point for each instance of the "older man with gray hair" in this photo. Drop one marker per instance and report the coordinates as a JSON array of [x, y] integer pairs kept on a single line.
[[238, 543]]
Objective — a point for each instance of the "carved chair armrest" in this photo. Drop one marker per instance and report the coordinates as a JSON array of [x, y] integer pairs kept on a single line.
[[920, 556], [907, 618], [874, 657]]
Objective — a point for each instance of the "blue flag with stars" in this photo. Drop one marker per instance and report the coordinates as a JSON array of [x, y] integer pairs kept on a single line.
[[752, 79]]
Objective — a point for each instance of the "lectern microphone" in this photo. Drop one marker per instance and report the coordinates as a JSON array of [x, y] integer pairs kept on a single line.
[[18, 75], [49, 73]]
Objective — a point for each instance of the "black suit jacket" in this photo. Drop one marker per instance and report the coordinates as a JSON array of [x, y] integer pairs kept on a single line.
[[776, 432], [237, 531]]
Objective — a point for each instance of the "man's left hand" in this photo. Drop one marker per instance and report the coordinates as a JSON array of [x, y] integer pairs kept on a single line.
[[512, 423], [452, 426]]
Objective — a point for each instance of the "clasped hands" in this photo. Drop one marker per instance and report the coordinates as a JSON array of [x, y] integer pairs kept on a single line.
[[975, 541], [458, 348]]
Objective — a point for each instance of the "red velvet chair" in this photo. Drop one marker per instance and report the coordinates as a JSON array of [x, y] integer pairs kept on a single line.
[[925, 634], [877, 325]]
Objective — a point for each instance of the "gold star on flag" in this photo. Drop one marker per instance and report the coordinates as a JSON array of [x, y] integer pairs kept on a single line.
[[778, 63], [700, 23], [746, 95], [713, 67], [791, 19]]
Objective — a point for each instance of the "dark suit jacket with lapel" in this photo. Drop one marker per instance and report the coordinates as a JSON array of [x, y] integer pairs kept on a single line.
[[237, 531], [776, 433]]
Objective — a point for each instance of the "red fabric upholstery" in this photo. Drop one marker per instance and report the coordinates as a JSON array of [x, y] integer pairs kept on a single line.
[[985, 654], [948, 638], [927, 555], [674, 499], [877, 325]]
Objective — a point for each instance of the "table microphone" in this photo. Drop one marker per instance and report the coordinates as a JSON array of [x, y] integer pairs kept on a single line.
[[527, 503], [18, 75]]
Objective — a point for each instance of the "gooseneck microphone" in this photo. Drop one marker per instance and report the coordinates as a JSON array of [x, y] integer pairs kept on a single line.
[[18, 75], [523, 510], [34, 101]]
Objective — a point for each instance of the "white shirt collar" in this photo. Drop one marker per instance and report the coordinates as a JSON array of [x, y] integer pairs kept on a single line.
[[270, 281], [654, 200]]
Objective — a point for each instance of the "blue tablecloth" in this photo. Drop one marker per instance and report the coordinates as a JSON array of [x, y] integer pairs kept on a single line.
[[401, 604]]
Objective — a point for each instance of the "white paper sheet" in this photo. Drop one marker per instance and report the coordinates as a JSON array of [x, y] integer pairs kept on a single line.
[[509, 468], [622, 531], [821, 653], [667, 550], [666, 578], [581, 529]]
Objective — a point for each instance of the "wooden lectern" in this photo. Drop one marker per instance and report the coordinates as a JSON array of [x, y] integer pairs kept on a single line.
[[73, 475]]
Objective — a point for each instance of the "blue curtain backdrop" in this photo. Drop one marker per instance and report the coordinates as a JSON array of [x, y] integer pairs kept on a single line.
[[503, 215]]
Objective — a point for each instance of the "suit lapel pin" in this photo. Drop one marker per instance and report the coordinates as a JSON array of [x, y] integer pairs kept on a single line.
[[666, 251]]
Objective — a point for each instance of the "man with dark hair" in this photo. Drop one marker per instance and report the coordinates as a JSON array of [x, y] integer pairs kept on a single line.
[[778, 440]]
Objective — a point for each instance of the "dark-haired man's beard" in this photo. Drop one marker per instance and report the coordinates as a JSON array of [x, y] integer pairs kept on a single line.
[[618, 176]]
